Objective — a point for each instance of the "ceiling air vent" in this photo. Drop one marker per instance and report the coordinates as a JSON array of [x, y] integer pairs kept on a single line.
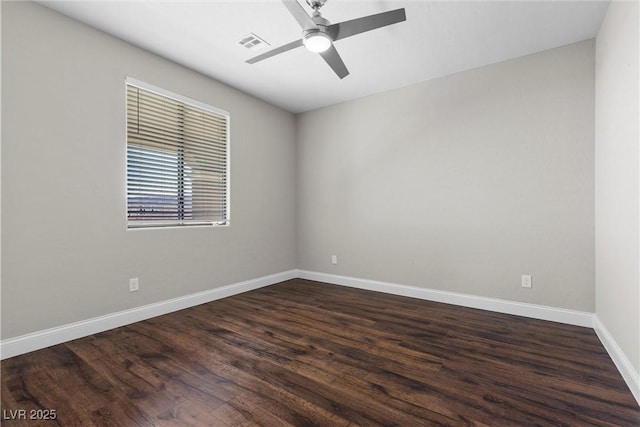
[[253, 42]]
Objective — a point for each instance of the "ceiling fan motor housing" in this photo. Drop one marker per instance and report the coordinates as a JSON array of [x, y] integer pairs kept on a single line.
[[317, 38], [319, 21]]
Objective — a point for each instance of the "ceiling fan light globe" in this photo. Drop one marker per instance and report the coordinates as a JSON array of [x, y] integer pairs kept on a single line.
[[317, 41]]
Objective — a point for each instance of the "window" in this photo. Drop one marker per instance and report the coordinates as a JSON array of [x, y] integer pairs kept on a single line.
[[177, 160]]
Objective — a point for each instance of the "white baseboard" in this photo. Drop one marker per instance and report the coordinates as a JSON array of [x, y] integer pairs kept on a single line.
[[46, 338], [41, 339], [561, 315], [629, 374]]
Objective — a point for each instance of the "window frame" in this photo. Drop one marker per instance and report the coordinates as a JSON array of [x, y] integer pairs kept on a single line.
[[151, 224]]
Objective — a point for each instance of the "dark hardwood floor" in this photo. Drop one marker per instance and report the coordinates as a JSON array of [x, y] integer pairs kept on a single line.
[[303, 353]]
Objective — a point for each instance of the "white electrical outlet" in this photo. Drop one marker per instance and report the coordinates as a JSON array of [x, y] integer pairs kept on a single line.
[[134, 285], [526, 281], [334, 259]]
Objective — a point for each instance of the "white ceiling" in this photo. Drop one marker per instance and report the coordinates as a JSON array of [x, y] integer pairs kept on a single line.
[[438, 38]]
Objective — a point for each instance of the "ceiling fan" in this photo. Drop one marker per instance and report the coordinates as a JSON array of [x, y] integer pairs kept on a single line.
[[319, 34]]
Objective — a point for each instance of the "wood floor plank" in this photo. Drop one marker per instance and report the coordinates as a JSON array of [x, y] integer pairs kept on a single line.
[[303, 353], [122, 412], [190, 413]]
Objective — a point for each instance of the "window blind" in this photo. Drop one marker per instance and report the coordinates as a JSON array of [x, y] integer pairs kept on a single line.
[[177, 161]]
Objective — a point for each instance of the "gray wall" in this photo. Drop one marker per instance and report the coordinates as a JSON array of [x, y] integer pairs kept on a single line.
[[617, 174], [462, 183], [67, 255]]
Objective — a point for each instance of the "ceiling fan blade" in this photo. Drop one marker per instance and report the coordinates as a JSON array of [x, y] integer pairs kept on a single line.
[[273, 52], [332, 57], [350, 28], [299, 14]]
